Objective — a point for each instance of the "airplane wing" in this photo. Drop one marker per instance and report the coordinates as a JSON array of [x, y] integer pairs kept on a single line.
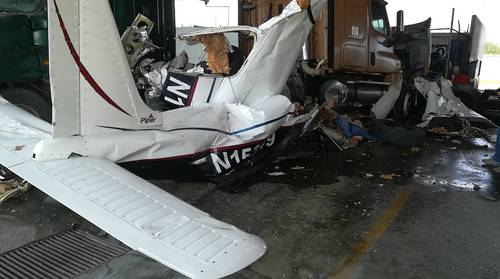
[[129, 208]]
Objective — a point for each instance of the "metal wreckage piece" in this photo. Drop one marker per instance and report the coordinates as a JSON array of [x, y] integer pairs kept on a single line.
[[136, 41], [441, 102], [151, 76], [12, 188], [148, 74]]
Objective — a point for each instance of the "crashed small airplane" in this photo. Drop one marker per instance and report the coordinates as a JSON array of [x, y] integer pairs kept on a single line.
[[100, 120]]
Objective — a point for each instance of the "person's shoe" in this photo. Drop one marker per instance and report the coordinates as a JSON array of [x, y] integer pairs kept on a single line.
[[490, 162]]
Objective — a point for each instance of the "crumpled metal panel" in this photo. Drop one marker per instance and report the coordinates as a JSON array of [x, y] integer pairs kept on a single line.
[[441, 102], [272, 58]]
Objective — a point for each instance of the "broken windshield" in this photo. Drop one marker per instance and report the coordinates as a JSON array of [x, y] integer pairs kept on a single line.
[[212, 53]]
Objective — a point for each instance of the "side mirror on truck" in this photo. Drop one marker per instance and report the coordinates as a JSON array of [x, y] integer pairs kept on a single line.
[[401, 21], [396, 31]]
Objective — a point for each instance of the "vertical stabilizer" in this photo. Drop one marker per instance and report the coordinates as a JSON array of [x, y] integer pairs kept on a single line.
[[92, 85], [64, 73]]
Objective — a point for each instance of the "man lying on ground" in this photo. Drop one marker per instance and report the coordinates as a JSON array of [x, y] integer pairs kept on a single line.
[[346, 132]]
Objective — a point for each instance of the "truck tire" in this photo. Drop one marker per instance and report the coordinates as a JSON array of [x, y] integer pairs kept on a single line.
[[29, 101]]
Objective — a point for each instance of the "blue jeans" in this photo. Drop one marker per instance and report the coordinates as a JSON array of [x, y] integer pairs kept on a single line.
[[351, 130], [497, 147]]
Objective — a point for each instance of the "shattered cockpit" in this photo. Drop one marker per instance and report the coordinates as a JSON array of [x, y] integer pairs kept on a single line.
[[209, 53]]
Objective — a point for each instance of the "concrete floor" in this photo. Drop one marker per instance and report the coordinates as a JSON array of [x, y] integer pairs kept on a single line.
[[331, 215]]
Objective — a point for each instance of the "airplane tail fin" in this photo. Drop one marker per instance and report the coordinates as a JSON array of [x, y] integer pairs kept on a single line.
[[91, 82]]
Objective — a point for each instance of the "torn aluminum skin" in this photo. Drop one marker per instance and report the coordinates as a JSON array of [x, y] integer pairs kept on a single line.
[[136, 41], [441, 102]]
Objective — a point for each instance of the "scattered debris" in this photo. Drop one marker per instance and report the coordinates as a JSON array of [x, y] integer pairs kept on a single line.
[[297, 168], [457, 142], [12, 188], [390, 176], [415, 149], [349, 161], [335, 136], [368, 175], [278, 173], [439, 130], [475, 133], [443, 103]]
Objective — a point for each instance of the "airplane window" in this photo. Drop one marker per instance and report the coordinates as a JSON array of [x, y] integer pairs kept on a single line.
[[216, 54], [379, 17]]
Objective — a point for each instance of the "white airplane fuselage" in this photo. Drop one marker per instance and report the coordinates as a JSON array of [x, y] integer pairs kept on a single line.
[[99, 113]]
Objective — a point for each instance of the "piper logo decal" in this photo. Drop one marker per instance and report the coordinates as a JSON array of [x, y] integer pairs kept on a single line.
[[148, 120]]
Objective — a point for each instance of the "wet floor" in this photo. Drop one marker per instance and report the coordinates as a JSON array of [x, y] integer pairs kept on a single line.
[[377, 211]]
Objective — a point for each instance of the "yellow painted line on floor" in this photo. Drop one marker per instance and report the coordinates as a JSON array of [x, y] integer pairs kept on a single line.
[[366, 243]]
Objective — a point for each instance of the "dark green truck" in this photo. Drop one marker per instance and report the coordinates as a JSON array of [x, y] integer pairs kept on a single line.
[[24, 71]]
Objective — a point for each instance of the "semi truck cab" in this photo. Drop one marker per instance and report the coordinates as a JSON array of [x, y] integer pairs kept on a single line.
[[351, 36], [355, 47]]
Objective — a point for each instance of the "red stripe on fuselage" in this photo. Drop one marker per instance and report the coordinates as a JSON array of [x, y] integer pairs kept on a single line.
[[191, 93], [88, 77], [208, 151]]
